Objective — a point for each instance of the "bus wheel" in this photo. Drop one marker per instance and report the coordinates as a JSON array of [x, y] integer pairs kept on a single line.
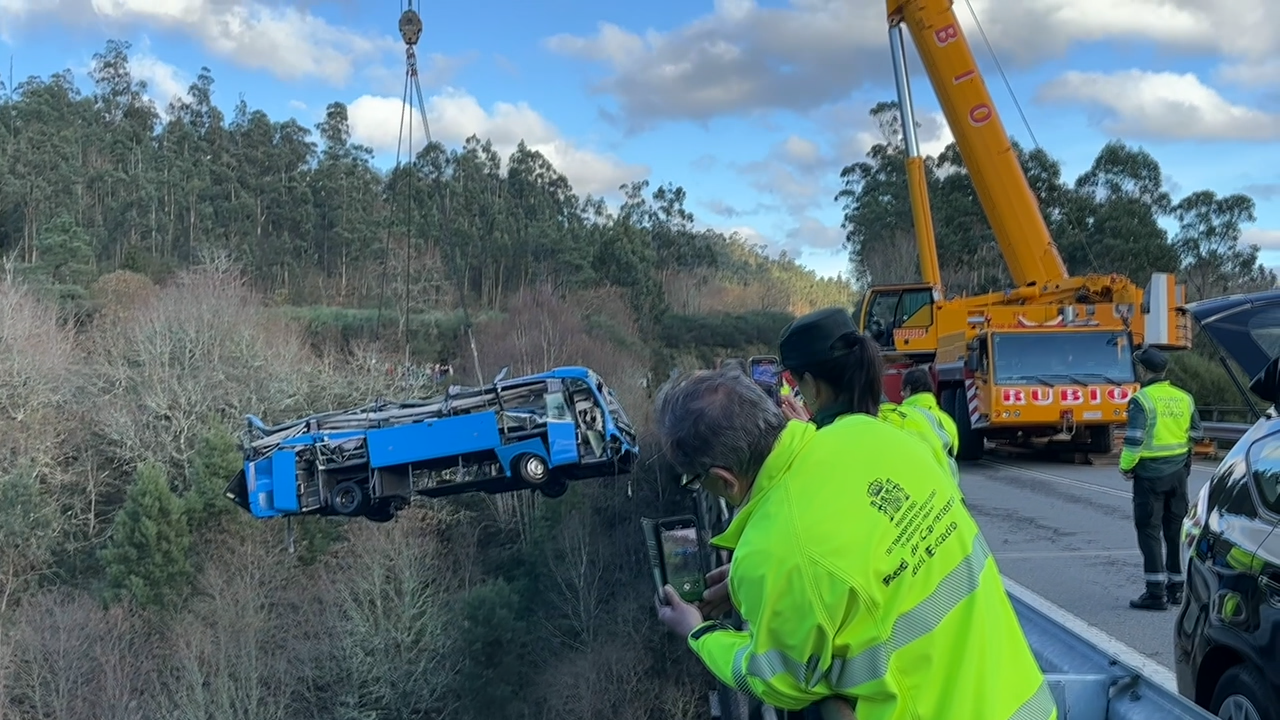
[[381, 513], [347, 498], [533, 469], [554, 489]]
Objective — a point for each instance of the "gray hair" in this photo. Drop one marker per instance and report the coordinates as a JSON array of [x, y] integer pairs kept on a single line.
[[717, 418]]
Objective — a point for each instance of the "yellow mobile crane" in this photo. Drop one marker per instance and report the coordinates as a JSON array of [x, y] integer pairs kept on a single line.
[[1050, 358]]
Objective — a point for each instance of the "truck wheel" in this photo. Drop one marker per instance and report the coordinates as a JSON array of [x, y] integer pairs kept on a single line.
[[1102, 440], [1243, 693], [532, 469], [347, 498], [971, 441]]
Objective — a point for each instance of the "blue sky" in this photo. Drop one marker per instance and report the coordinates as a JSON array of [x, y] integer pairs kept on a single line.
[[752, 106]]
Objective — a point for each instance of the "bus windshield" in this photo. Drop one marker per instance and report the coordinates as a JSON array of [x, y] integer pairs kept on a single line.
[[1061, 358], [611, 403]]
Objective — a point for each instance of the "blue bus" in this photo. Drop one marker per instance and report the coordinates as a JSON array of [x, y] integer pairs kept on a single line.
[[536, 432]]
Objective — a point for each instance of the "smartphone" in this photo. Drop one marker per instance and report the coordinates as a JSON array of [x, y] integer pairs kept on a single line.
[[675, 555], [790, 381], [764, 371]]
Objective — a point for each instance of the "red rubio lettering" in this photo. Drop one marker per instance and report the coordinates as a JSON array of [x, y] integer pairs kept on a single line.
[[1070, 396], [963, 76], [1013, 396], [1041, 396], [1095, 395], [1118, 394], [980, 114], [946, 35]]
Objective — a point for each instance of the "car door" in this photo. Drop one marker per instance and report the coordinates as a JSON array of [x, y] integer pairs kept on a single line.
[[1264, 471]]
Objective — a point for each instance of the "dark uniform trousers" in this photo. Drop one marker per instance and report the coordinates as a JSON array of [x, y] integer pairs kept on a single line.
[[1159, 505]]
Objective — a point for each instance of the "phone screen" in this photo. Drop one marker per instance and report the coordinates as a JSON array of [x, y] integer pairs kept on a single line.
[[683, 566], [765, 372]]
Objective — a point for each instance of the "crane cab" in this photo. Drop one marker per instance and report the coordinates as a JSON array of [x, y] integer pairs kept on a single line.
[[900, 318]]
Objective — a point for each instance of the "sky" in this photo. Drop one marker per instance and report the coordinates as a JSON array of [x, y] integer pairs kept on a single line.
[[752, 106]]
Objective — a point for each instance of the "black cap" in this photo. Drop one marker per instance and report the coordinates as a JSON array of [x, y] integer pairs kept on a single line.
[[1152, 359], [808, 339]]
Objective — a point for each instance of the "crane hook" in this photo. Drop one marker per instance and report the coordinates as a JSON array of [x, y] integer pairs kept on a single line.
[[410, 26]]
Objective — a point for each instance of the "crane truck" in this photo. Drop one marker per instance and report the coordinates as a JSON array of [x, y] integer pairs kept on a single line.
[[1049, 359]]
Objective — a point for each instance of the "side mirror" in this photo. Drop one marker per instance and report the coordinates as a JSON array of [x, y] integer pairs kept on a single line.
[[502, 374], [973, 361], [1267, 383]]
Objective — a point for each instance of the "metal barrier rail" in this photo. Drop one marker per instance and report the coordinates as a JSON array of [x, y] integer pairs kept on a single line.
[[1225, 423], [1091, 675]]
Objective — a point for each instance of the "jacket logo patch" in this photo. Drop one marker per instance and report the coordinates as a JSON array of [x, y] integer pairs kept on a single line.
[[887, 497]]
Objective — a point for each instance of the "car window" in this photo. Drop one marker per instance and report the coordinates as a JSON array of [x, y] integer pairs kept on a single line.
[[1264, 466]]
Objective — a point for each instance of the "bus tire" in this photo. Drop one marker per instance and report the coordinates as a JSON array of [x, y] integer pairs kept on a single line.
[[347, 498], [532, 469], [554, 488]]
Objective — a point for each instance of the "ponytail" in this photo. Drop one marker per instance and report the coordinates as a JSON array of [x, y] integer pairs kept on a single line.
[[853, 372]]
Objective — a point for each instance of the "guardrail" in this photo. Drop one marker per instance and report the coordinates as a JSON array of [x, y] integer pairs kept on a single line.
[[1224, 423], [1092, 676]]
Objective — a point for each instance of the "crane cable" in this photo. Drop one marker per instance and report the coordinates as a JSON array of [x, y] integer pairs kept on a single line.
[[411, 33], [1008, 86]]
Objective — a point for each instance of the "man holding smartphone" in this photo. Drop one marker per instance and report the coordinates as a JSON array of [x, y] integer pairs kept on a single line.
[[859, 571]]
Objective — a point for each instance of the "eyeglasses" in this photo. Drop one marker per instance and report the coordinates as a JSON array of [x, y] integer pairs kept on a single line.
[[692, 482]]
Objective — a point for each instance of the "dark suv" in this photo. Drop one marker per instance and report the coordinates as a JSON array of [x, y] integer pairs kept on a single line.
[[1227, 636]]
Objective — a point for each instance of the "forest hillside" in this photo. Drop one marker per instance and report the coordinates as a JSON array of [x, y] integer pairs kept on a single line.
[[169, 270]]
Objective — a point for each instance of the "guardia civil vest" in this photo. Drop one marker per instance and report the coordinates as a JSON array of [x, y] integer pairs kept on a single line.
[[926, 402], [861, 575], [921, 423], [1168, 409]]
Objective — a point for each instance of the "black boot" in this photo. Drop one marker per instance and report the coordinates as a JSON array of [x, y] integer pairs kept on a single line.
[[1173, 592], [1150, 600]]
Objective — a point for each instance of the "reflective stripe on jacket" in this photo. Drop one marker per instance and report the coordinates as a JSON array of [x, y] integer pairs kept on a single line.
[[921, 424], [1162, 417], [926, 402], [861, 575]]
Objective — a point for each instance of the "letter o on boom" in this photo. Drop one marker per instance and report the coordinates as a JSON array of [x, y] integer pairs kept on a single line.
[[980, 114]]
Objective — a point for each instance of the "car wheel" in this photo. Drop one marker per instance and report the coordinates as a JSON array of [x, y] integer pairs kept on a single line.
[[347, 498], [532, 469], [1243, 694]]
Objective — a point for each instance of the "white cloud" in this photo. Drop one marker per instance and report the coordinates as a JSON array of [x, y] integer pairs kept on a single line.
[[164, 81], [1162, 105], [1265, 239], [455, 115], [1265, 73], [297, 105], [934, 135], [815, 235], [743, 57], [289, 42]]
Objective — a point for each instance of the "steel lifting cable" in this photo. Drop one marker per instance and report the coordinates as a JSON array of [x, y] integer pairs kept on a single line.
[[1008, 86], [411, 33]]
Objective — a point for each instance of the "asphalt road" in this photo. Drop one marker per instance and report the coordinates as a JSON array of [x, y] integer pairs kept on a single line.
[[1066, 532]]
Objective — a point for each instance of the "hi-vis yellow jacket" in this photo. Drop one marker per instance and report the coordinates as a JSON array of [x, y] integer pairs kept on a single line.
[[922, 424], [926, 402], [862, 576]]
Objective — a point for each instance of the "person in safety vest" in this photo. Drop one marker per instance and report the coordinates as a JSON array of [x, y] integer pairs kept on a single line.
[[1163, 426], [823, 351], [861, 576], [918, 392]]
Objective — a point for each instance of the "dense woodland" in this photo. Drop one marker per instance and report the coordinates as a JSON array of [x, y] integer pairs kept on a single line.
[[172, 269]]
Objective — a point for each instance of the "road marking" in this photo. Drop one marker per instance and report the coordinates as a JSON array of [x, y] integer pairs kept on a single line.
[[1108, 644], [1059, 479], [1019, 555]]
